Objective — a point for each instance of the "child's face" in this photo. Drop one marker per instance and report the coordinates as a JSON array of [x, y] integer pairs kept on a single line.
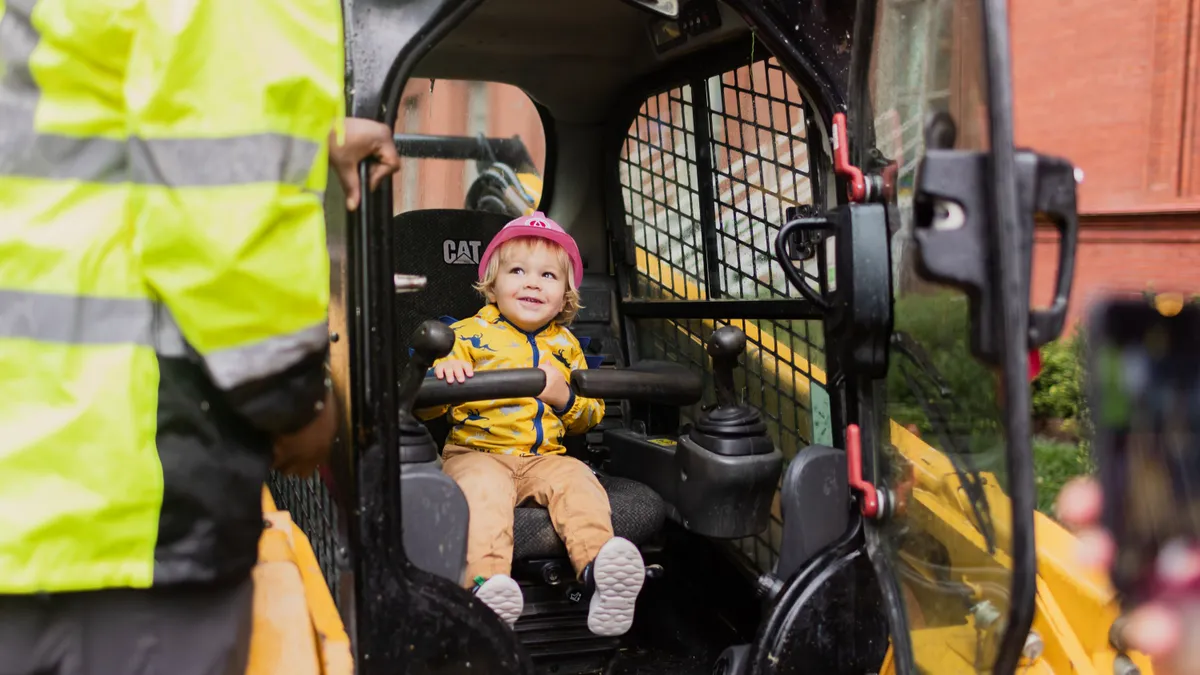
[[530, 286]]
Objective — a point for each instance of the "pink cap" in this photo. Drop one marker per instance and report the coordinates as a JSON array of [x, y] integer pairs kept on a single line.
[[535, 225]]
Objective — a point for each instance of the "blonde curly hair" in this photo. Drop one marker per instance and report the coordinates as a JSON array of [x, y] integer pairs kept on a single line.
[[528, 245]]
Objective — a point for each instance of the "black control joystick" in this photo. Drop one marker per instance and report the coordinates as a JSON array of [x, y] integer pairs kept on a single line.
[[729, 428], [725, 345], [431, 341], [728, 467]]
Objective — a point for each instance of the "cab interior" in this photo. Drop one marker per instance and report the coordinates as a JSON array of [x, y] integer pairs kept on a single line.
[[674, 151], [624, 176]]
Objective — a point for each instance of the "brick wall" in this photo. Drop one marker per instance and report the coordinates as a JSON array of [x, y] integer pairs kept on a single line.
[[1124, 253], [1115, 86]]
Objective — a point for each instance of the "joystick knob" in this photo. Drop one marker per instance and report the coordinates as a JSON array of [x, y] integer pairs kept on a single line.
[[725, 345], [726, 342], [431, 341]]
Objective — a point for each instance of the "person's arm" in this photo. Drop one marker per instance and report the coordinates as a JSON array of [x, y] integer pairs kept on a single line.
[[230, 165]]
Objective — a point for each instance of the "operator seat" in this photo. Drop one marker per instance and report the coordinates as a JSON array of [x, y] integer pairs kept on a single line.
[[444, 245]]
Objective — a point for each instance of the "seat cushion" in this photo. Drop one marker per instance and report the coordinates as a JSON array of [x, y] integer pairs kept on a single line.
[[637, 513]]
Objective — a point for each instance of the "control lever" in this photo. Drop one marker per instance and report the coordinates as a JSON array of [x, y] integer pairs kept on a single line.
[[725, 345], [729, 419], [431, 341]]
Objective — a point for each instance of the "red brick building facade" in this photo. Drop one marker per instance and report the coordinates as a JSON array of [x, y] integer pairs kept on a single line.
[[1115, 86]]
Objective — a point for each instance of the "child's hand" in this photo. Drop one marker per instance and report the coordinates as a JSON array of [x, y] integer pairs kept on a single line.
[[453, 370], [557, 391]]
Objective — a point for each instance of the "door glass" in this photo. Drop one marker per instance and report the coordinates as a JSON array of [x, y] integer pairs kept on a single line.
[[946, 459]]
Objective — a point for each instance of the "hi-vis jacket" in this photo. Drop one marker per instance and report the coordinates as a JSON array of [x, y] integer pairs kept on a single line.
[[164, 279], [516, 426]]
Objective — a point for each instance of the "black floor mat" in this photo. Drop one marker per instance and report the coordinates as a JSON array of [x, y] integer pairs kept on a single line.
[[660, 662], [687, 618]]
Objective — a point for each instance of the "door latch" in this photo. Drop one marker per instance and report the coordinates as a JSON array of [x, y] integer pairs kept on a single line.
[[952, 223], [873, 502], [859, 309]]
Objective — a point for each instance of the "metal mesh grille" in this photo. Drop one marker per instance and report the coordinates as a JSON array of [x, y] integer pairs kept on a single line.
[[660, 184], [760, 167], [312, 508], [755, 123]]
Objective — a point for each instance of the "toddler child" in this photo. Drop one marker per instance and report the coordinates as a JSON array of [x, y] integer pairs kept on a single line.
[[506, 451]]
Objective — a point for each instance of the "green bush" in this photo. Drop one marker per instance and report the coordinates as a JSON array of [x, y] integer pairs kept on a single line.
[[939, 323], [1055, 463], [1058, 390], [1059, 408]]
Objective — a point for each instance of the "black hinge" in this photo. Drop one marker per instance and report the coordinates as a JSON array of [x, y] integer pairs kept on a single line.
[[859, 309]]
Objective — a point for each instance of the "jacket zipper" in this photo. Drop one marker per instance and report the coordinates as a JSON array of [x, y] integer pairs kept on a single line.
[[541, 407]]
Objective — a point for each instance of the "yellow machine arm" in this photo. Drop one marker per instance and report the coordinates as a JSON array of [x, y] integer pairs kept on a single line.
[[1075, 607]]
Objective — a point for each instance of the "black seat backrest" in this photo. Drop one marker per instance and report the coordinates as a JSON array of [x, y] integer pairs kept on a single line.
[[444, 246]]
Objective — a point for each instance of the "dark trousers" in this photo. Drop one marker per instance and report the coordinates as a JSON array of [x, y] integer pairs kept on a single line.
[[168, 631]]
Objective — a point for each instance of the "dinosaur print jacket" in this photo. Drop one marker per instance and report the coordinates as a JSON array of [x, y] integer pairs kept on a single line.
[[516, 426]]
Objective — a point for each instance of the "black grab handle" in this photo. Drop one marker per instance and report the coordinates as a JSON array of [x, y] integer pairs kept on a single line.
[[648, 381], [484, 386], [1056, 199], [789, 269]]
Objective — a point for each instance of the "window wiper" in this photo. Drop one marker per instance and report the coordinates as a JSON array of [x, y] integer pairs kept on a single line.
[[930, 397]]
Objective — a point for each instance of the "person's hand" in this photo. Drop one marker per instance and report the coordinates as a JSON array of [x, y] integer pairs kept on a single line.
[[453, 370], [364, 138], [557, 391], [300, 452], [1167, 633]]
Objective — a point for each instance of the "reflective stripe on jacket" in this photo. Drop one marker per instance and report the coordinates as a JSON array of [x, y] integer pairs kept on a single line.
[[164, 285], [517, 426]]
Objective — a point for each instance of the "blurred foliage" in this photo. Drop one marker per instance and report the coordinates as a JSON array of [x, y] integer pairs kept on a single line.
[[938, 322], [1058, 389], [1055, 463]]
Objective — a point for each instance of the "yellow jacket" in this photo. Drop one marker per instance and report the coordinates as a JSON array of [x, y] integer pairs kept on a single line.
[[516, 426]]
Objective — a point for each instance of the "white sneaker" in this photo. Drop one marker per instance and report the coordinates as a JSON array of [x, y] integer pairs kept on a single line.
[[503, 595], [617, 576]]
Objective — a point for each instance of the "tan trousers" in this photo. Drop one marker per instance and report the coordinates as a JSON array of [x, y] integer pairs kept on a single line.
[[495, 484]]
